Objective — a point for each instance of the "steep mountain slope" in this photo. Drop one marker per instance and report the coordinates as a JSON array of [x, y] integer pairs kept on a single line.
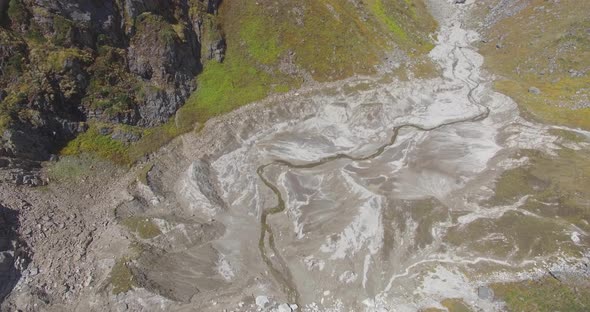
[[118, 70]]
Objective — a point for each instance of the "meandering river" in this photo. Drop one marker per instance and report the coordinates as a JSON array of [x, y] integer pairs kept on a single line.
[[377, 194]]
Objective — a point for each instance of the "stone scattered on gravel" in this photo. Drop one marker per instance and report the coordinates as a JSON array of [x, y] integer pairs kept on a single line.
[[484, 292], [261, 301], [284, 308], [534, 90], [105, 130], [125, 137]]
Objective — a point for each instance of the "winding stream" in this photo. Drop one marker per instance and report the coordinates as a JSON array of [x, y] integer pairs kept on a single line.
[[366, 195], [282, 274]]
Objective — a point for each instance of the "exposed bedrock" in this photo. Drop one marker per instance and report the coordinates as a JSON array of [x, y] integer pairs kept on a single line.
[[64, 63]]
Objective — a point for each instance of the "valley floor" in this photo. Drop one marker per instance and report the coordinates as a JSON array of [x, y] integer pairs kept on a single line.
[[368, 194]]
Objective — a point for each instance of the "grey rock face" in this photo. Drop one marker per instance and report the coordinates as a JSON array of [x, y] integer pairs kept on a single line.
[[18, 143], [159, 105], [147, 72], [90, 18], [36, 143], [20, 172], [105, 131], [158, 55], [217, 50]]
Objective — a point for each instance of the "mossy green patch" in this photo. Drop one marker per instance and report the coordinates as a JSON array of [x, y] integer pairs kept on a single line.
[[225, 86], [179, 29], [121, 277], [56, 59], [557, 185], [455, 305], [72, 167], [93, 142], [156, 137], [567, 135], [426, 213], [148, 22], [262, 43], [377, 8], [144, 227], [142, 176], [17, 12], [554, 104], [351, 44], [556, 189], [514, 184], [63, 30], [521, 236], [546, 294], [281, 88]]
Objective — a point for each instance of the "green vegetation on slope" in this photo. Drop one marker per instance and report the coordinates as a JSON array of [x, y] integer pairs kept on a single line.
[[71, 168], [269, 46], [110, 84], [544, 295], [121, 277], [142, 226], [546, 45], [379, 11], [225, 86], [263, 51], [451, 305], [557, 185], [97, 144], [556, 190]]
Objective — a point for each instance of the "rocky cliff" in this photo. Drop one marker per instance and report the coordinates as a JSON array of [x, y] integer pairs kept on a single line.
[[65, 62], [118, 70]]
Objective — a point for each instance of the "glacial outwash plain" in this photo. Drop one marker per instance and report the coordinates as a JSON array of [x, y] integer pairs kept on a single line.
[[295, 155]]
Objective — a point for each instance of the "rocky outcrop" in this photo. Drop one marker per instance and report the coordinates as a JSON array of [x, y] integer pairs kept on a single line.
[[64, 63], [168, 59]]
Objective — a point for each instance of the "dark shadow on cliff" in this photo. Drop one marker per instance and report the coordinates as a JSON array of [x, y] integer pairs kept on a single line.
[[3, 14], [13, 254]]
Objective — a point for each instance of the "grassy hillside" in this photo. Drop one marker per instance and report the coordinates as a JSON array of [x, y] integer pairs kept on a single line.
[[546, 294], [544, 45], [273, 46], [540, 51]]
